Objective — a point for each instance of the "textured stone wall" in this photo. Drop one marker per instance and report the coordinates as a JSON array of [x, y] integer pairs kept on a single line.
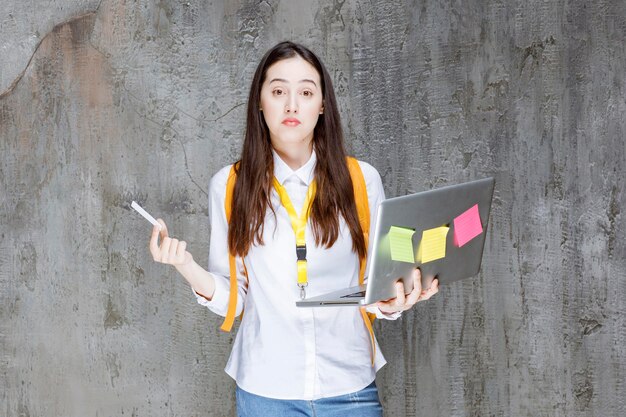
[[105, 102]]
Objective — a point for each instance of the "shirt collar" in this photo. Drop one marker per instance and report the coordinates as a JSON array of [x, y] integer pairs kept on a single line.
[[305, 173]]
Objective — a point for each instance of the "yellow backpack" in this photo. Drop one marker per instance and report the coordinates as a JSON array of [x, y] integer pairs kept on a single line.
[[362, 205]]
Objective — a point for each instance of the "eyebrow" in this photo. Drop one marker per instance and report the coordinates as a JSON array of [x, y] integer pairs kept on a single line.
[[306, 80]]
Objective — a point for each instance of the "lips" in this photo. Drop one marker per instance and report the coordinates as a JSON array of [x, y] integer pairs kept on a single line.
[[291, 122]]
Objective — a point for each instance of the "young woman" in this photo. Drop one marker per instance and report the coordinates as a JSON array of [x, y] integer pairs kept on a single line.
[[288, 360]]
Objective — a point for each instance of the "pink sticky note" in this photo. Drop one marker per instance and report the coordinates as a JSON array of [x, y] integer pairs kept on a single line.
[[467, 226]]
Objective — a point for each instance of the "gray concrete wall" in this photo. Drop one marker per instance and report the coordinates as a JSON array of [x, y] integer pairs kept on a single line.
[[105, 102]]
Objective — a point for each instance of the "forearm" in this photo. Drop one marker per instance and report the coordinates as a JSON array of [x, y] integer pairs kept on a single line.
[[201, 280]]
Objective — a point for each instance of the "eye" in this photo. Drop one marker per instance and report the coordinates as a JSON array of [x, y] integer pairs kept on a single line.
[[307, 93], [278, 92]]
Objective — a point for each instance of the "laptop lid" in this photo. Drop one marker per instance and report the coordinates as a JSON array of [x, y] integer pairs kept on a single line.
[[449, 227]]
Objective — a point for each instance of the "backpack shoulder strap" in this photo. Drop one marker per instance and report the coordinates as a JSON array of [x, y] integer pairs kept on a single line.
[[363, 211], [230, 186], [232, 297]]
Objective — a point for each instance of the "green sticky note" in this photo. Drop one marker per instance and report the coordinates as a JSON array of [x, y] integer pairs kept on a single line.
[[433, 244], [400, 240]]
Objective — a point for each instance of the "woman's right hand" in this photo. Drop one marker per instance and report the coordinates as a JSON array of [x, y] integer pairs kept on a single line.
[[171, 251]]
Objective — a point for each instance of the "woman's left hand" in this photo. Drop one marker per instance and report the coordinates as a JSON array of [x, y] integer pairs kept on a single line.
[[404, 302]]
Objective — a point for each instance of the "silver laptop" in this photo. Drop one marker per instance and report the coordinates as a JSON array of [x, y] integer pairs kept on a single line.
[[431, 216]]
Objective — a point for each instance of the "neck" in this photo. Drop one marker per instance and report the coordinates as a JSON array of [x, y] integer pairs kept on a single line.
[[295, 156]]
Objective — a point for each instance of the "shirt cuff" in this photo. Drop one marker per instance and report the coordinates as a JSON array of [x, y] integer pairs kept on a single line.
[[381, 315], [219, 301]]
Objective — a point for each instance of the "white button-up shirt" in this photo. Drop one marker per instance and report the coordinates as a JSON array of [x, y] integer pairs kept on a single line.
[[283, 351]]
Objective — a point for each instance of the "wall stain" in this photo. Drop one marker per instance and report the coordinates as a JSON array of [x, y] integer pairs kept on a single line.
[[556, 183], [15, 82], [180, 201], [589, 325], [112, 318], [467, 158], [464, 97], [162, 22], [329, 15], [613, 212], [28, 265], [76, 20], [125, 266], [114, 366], [532, 54], [583, 389], [123, 199], [22, 410]]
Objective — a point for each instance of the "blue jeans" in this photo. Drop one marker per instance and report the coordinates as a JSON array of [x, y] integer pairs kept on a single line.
[[363, 403]]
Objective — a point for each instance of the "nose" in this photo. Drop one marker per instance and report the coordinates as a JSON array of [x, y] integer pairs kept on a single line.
[[291, 106]]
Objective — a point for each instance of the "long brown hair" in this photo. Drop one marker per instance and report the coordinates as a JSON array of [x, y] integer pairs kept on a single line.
[[255, 169]]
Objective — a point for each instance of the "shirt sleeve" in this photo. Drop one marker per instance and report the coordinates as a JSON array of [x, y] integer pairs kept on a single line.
[[375, 195], [219, 266]]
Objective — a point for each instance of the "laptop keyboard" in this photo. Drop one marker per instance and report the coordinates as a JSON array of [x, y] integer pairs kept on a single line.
[[354, 295]]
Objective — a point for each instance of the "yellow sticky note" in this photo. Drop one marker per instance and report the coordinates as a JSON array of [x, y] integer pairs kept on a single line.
[[401, 243], [433, 244]]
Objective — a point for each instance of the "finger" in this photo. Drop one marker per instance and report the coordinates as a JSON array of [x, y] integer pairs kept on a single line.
[[434, 289], [400, 297], [173, 248], [413, 297], [180, 251], [154, 243], [164, 233], [415, 294], [388, 306], [417, 280], [165, 249]]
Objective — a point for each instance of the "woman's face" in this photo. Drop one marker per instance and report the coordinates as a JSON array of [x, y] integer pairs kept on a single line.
[[291, 102]]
